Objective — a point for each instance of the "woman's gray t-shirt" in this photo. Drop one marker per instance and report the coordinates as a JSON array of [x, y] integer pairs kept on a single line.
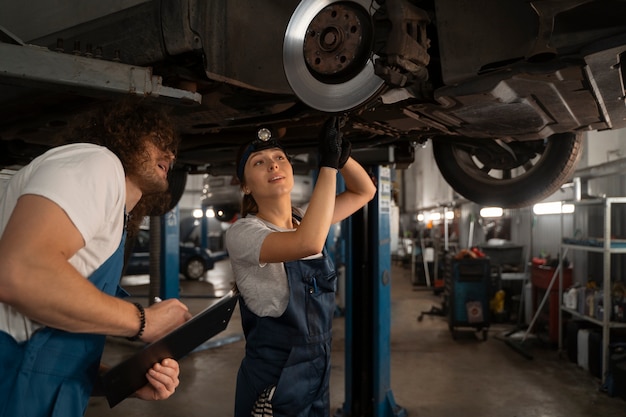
[[264, 287]]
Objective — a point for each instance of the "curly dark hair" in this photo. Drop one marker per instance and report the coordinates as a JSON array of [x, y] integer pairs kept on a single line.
[[124, 127]]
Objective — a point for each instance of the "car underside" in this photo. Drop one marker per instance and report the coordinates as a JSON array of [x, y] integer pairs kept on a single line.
[[503, 89]]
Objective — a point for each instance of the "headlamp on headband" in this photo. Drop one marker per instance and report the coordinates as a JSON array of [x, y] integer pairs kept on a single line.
[[263, 141], [264, 134]]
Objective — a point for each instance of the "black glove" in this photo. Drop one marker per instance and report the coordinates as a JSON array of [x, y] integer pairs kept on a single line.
[[346, 150], [330, 144]]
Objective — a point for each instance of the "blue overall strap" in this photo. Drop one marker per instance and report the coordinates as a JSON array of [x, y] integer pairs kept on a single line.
[[52, 373], [291, 352]]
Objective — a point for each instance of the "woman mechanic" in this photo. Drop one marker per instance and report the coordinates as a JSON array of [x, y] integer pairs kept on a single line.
[[286, 280]]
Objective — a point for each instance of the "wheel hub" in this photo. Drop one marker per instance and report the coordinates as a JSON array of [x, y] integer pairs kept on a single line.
[[503, 156], [335, 43]]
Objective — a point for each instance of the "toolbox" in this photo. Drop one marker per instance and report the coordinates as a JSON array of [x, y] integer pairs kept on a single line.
[[469, 289]]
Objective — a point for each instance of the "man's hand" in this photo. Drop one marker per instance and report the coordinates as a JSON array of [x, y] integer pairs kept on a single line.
[[162, 381], [163, 317]]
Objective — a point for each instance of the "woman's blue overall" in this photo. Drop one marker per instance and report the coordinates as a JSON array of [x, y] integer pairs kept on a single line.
[[291, 351], [53, 373]]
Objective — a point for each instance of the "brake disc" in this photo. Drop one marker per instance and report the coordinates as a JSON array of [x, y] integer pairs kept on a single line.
[[327, 54]]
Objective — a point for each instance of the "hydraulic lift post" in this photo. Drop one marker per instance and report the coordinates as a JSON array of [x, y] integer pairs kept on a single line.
[[164, 256], [368, 308], [170, 249]]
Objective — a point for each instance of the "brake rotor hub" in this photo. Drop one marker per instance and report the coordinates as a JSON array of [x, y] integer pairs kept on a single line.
[[327, 54], [335, 41]]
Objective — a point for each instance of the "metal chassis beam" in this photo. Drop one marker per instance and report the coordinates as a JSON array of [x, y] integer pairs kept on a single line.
[[34, 66]]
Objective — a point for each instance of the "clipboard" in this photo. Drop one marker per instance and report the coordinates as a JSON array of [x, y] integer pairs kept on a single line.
[[128, 376]]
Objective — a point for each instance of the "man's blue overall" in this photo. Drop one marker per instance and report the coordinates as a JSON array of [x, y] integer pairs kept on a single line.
[[52, 374], [291, 351]]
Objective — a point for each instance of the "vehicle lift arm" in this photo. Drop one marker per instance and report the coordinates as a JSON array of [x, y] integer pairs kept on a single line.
[[35, 66]]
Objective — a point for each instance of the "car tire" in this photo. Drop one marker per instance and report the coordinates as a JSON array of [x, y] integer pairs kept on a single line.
[[520, 183], [194, 269]]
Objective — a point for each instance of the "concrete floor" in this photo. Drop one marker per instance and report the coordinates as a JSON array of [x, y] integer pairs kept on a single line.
[[432, 374]]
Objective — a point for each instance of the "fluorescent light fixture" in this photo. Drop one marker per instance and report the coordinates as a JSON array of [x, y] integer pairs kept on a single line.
[[554, 207], [434, 216], [491, 212]]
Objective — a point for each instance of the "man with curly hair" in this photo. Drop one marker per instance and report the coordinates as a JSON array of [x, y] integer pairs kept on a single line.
[[62, 230]]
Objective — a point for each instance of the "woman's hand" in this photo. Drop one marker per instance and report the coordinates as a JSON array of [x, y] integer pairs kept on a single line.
[[330, 148], [162, 381]]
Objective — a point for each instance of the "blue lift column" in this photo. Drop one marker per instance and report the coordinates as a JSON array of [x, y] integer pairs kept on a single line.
[[170, 259], [368, 305]]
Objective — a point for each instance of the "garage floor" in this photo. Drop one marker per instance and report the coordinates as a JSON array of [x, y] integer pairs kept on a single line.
[[432, 375]]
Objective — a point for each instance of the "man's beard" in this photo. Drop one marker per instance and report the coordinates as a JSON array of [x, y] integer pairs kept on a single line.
[[149, 181], [153, 185], [149, 205]]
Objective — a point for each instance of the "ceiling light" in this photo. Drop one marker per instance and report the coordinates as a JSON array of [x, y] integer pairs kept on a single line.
[[555, 207], [491, 212]]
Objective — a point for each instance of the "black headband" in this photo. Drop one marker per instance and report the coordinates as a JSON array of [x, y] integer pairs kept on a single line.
[[264, 141]]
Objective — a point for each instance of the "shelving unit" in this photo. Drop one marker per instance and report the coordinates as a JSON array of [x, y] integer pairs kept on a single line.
[[607, 246]]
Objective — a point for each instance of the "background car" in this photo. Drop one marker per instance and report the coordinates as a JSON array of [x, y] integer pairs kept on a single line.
[[503, 89], [194, 261], [223, 194]]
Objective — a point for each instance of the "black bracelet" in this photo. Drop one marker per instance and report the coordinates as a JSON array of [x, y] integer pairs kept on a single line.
[[142, 322]]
